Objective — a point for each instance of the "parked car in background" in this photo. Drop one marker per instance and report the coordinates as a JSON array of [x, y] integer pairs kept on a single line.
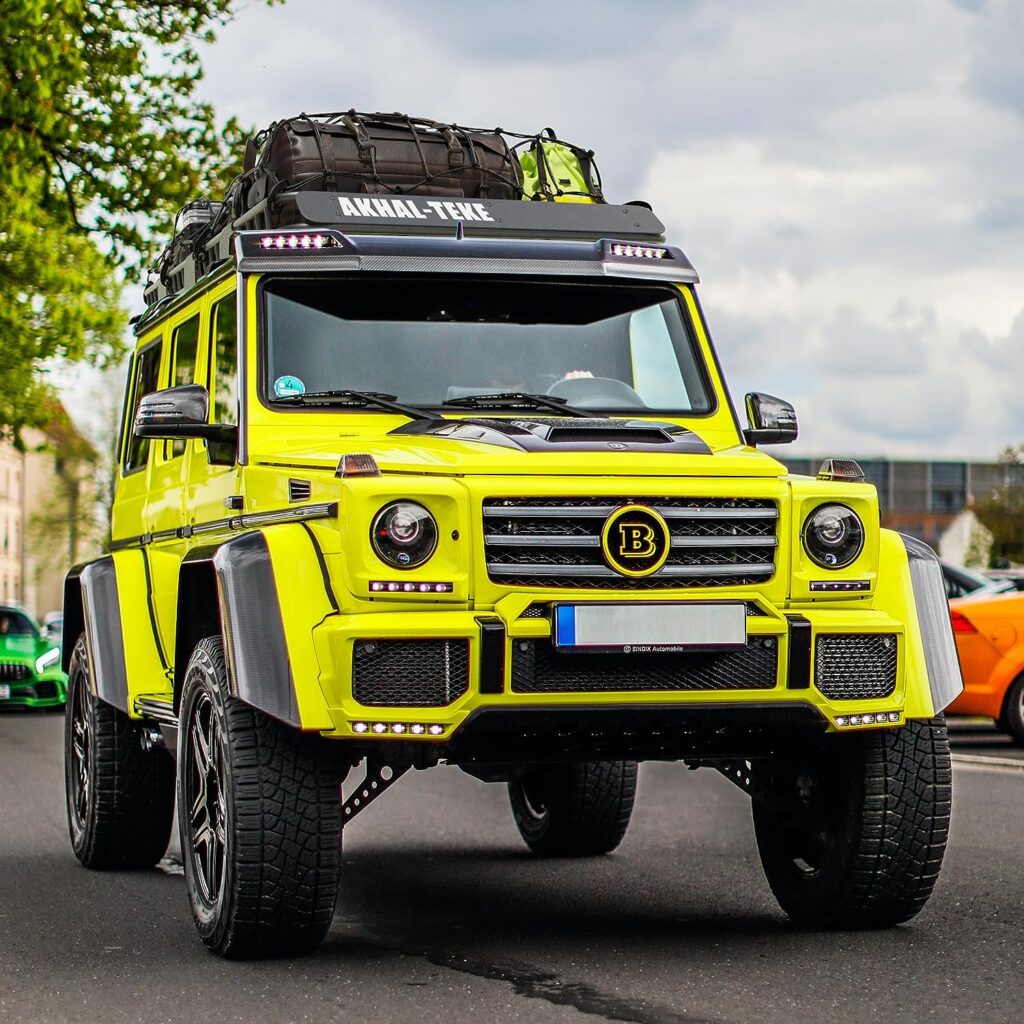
[[53, 627], [1015, 577], [30, 672], [960, 582], [989, 632]]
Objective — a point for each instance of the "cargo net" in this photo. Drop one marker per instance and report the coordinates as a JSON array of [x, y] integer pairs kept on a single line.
[[372, 154]]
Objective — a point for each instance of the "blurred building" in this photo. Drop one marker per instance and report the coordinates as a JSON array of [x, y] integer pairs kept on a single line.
[[924, 498], [47, 512], [12, 519]]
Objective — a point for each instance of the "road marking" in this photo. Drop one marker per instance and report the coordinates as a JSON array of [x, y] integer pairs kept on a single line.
[[980, 763]]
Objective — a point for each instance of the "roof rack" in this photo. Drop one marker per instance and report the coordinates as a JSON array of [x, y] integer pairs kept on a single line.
[[204, 230]]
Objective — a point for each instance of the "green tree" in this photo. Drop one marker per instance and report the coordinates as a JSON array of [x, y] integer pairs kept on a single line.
[[102, 138], [1002, 510]]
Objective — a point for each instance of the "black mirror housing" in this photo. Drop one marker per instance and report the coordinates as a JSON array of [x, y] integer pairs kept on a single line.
[[180, 413], [772, 420]]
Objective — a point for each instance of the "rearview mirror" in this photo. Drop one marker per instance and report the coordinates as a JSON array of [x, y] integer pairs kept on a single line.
[[179, 413], [772, 420]]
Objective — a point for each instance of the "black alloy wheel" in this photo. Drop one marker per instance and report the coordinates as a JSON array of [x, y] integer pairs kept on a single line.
[[79, 759], [574, 810], [119, 788], [259, 817], [855, 830], [204, 802]]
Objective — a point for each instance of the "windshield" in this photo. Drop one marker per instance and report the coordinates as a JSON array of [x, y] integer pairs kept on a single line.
[[431, 339], [15, 623]]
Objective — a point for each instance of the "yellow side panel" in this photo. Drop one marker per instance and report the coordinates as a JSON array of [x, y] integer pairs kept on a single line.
[[894, 594], [146, 673], [304, 605]]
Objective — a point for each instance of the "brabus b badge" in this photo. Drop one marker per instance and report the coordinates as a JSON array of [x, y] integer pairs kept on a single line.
[[635, 540]]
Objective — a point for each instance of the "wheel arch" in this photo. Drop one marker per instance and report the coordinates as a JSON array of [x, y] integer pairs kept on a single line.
[[74, 614], [233, 590], [199, 612]]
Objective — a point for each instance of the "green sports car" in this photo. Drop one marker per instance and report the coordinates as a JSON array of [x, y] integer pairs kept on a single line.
[[30, 673]]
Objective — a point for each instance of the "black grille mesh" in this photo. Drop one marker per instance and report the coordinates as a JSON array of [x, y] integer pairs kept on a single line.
[[538, 668], [13, 671], [855, 666], [409, 673]]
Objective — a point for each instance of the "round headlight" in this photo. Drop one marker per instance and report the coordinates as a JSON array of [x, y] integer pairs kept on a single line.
[[404, 534], [833, 536]]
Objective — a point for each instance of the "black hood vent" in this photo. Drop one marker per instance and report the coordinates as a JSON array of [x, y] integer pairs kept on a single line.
[[562, 433]]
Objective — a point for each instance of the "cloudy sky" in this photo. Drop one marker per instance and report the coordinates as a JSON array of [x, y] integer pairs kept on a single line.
[[847, 177]]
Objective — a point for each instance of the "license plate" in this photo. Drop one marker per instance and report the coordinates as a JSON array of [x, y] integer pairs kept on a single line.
[[5, 691], [649, 628]]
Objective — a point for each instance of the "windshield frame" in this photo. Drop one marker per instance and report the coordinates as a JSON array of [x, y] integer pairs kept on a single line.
[[669, 290]]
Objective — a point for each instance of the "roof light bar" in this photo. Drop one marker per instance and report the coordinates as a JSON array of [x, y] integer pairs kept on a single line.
[[645, 252], [304, 241]]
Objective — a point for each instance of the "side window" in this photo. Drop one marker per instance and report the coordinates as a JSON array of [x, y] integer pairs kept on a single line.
[[224, 364], [147, 370], [184, 345]]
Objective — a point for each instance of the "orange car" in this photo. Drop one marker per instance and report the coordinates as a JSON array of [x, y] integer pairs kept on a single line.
[[989, 635]]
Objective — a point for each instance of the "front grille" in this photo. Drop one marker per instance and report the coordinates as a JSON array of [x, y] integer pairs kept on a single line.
[[538, 668], [13, 671], [409, 673], [855, 666], [556, 542]]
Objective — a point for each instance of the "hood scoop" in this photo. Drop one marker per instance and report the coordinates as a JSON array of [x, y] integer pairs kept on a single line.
[[565, 434]]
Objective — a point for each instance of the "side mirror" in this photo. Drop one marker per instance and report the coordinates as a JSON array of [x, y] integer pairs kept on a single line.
[[179, 413], [772, 421]]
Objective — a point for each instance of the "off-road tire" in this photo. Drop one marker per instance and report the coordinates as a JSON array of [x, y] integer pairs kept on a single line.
[[122, 820], [574, 810], [1012, 719], [860, 838], [277, 807]]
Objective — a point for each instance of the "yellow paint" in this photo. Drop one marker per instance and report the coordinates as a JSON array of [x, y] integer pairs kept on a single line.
[[451, 479]]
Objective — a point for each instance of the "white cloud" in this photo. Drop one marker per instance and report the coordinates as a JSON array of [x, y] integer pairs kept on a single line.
[[846, 177]]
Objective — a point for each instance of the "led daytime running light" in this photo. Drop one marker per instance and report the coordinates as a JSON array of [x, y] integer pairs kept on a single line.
[[399, 728]]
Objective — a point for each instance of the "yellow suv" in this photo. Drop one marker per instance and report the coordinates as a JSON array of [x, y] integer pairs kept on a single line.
[[409, 482]]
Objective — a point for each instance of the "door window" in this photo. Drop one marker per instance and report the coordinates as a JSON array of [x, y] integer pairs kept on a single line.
[[146, 376], [224, 374], [184, 346]]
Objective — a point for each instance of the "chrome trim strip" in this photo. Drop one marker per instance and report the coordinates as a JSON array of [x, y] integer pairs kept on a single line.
[[724, 542], [299, 514], [602, 511], [538, 540], [600, 572]]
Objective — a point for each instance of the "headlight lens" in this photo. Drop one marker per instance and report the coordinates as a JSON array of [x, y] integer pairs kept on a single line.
[[833, 536], [404, 534], [48, 660]]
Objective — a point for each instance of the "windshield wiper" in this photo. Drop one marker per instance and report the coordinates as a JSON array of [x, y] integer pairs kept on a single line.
[[360, 400], [517, 400]]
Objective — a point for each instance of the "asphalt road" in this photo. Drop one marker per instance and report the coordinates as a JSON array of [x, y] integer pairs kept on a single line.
[[444, 917]]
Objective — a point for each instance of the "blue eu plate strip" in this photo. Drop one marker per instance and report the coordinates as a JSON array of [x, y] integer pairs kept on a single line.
[[565, 625]]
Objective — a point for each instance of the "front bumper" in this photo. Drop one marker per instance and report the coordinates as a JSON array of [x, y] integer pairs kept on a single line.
[[453, 670], [48, 690]]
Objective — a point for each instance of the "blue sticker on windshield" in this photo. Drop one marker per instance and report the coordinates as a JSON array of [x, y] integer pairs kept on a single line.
[[288, 385]]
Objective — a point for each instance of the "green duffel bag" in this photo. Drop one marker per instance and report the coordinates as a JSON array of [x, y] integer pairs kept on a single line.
[[558, 171]]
